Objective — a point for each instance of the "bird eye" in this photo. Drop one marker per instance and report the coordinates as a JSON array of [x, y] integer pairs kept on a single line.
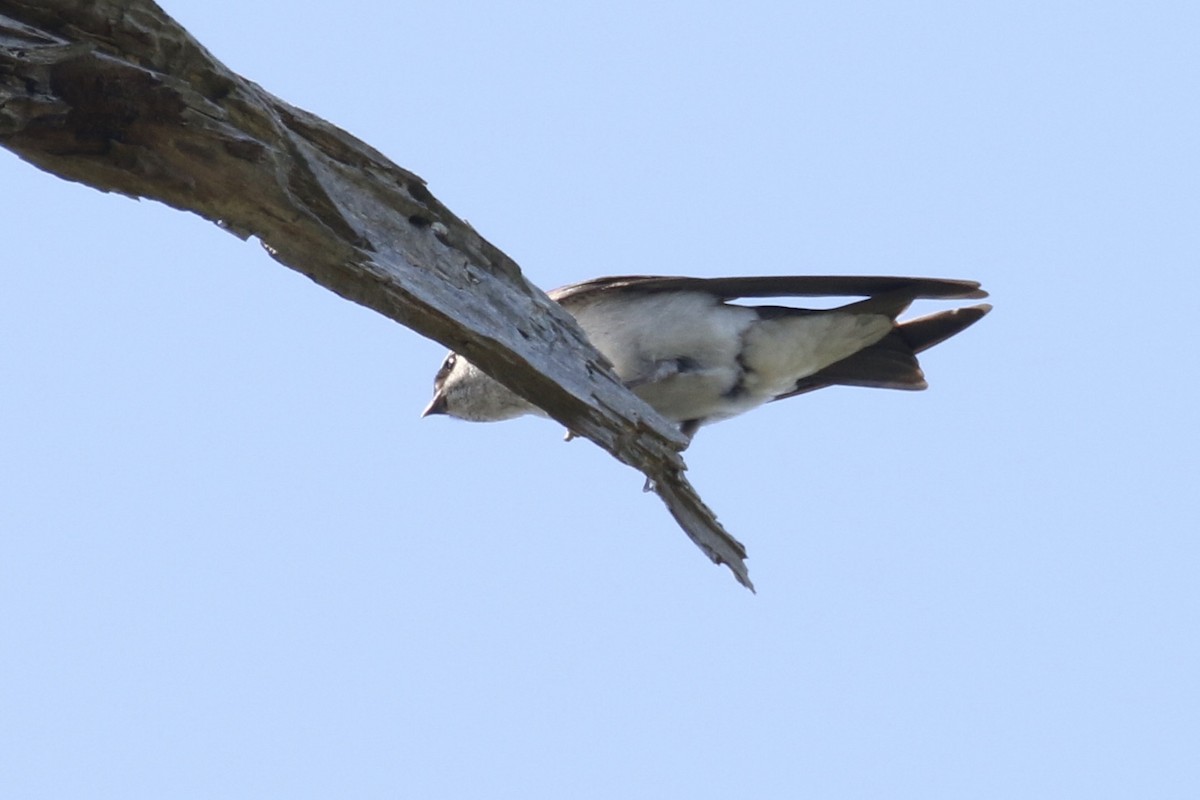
[[444, 370]]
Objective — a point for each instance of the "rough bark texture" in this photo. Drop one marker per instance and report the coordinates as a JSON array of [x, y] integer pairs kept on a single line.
[[115, 95]]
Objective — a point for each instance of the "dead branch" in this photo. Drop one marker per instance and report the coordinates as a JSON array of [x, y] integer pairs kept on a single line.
[[114, 94]]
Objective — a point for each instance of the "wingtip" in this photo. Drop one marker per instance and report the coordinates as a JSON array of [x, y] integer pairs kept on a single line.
[[969, 290]]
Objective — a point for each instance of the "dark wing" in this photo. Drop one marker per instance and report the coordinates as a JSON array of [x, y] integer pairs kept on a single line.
[[777, 286]]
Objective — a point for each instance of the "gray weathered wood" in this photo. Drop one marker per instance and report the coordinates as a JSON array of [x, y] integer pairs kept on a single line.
[[115, 95]]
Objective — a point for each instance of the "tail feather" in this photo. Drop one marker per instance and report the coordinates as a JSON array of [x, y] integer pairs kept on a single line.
[[889, 304], [923, 333], [891, 363]]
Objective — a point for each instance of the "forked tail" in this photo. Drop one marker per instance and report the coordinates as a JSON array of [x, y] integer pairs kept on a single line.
[[891, 363]]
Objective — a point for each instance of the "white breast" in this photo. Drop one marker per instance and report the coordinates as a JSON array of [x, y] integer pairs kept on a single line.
[[643, 333]]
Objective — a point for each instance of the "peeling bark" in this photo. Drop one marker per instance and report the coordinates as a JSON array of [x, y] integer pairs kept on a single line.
[[114, 94]]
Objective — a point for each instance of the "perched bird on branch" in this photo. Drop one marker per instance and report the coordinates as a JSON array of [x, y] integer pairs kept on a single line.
[[696, 358]]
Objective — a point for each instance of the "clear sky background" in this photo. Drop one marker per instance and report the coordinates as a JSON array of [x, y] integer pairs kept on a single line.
[[235, 563]]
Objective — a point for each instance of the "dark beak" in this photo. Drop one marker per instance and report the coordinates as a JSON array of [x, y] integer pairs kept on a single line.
[[436, 406]]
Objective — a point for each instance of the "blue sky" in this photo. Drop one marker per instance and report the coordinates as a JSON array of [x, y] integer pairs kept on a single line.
[[235, 563]]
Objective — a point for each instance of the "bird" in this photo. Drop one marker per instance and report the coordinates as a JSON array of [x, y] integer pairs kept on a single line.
[[696, 357]]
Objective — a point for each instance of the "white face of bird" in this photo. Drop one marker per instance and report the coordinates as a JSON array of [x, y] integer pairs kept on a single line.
[[462, 390]]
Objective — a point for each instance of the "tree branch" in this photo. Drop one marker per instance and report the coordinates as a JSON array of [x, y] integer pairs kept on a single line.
[[116, 95]]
